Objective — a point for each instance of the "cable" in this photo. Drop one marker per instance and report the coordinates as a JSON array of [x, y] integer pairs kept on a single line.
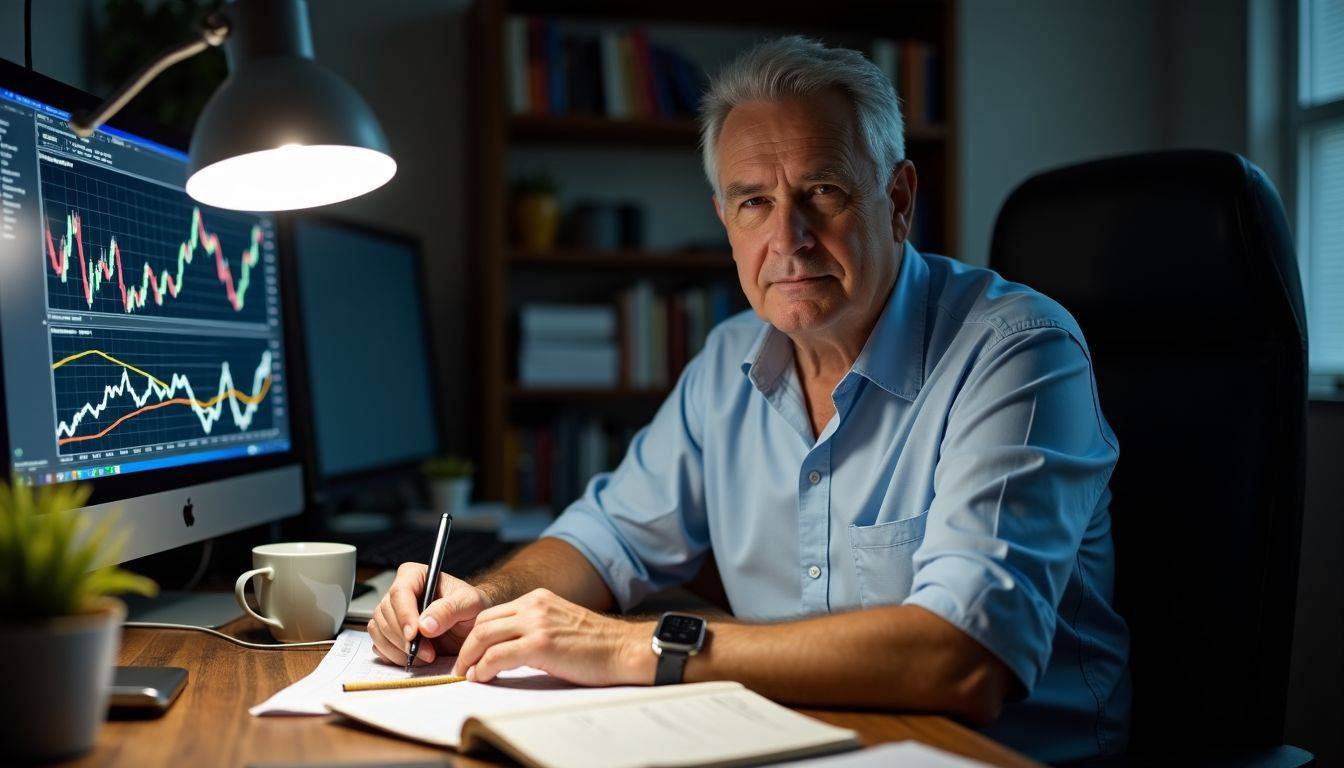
[[258, 646], [28, 34]]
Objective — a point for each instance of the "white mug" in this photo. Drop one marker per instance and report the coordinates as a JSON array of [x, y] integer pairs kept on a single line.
[[305, 589]]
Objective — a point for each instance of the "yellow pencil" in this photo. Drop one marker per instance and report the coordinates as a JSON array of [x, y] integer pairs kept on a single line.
[[410, 682]]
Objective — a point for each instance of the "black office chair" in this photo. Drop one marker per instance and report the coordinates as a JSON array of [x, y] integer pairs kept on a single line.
[[1180, 269]]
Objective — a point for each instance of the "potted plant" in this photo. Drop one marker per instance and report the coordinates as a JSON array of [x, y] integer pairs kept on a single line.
[[59, 621], [449, 484], [536, 212]]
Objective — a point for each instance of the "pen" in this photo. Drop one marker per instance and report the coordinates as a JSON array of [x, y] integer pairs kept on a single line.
[[431, 579]]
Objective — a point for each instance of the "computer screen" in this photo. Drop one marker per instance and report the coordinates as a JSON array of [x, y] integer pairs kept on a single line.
[[369, 373], [141, 333]]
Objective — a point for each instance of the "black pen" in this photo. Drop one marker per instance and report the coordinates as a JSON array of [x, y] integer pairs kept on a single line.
[[431, 580]]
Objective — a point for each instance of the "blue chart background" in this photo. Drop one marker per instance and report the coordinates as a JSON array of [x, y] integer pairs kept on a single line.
[[199, 358], [149, 222]]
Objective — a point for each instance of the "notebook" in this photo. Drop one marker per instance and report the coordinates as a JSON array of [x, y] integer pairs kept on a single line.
[[714, 724]]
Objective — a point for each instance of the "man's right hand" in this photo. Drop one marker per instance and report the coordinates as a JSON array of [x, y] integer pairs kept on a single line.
[[445, 624]]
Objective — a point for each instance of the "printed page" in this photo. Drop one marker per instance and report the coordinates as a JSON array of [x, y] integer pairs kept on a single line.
[[435, 714], [350, 659], [704, 724]]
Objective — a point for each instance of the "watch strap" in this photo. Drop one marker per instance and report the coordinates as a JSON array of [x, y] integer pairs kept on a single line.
[[671, 666]]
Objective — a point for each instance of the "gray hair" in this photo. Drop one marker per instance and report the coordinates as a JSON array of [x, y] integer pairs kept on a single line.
[[796, 66]]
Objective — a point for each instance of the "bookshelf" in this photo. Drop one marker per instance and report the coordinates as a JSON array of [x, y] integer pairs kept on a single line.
[[507, 140]]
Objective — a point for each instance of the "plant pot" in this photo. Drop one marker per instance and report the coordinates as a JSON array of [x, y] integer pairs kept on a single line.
[[452, 496], [58, 672], [537, 218]]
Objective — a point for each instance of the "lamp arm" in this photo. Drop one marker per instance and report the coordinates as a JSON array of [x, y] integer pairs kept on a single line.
[[211, 34]]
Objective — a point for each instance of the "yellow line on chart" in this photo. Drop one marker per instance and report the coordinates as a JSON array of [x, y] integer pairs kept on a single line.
[[110, 359]]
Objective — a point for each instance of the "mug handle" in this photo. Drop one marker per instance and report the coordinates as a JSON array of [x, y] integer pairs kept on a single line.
[[240, 586]]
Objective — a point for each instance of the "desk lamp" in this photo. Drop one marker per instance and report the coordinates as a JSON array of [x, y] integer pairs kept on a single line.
[[282, 132]]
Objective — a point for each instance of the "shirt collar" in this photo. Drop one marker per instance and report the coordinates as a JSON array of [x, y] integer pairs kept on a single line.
[[893, 356]]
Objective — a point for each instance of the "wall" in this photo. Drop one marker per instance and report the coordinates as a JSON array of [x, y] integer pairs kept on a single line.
[[1045, 83]]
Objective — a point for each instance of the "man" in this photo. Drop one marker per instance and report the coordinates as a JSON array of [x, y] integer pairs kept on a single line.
[[899, 461]]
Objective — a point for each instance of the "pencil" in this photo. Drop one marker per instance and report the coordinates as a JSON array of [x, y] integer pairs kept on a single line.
[[410, 682]]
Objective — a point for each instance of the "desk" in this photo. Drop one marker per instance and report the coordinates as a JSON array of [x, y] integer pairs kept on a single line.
[[209, 724]]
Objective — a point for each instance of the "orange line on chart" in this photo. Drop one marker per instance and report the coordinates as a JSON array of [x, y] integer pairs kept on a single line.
[[249, 399]]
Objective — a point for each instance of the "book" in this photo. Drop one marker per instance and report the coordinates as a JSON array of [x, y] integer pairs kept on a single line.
[[516, 65], [573, 322], [544, 724]]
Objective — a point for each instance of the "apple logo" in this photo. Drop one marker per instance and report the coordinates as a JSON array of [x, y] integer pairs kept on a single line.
[[187, 516]]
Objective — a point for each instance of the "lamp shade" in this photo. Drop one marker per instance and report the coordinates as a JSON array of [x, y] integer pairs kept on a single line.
[[283, 132]]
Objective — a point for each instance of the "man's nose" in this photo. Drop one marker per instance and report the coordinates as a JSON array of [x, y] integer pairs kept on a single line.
[[792, 233]]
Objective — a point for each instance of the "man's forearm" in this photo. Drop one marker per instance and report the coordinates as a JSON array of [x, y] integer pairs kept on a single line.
[[551, 564], [897, 657]]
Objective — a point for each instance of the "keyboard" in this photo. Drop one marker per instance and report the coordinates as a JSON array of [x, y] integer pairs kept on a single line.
[[469, 552]]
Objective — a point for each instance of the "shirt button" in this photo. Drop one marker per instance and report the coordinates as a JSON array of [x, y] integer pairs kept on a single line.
[[814, 572], [814, 477]]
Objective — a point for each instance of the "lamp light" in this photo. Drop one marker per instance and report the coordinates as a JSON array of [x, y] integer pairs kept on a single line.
[[282, 132]]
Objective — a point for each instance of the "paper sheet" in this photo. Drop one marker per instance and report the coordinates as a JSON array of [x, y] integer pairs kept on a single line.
[[351, 658], [911, 754]]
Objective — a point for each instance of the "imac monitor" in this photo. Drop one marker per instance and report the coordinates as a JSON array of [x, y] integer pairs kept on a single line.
[[372, 411], [141, 334]]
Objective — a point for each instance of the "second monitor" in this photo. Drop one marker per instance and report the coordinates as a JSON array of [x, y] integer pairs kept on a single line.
[[372, 409]]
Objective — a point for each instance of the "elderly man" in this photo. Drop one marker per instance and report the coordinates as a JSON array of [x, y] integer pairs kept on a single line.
[[899, 462]]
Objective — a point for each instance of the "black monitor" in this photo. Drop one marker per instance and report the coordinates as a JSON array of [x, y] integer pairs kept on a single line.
[[141, 334], [371, 403]]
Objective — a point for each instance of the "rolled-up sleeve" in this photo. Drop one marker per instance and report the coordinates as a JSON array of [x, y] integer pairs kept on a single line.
[[643, 526], [1023, 463]]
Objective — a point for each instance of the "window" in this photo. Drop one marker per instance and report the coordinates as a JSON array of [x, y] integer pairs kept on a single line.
[[1317, 126]]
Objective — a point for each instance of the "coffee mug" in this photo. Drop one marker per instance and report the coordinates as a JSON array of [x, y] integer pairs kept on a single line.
[[305, 589]]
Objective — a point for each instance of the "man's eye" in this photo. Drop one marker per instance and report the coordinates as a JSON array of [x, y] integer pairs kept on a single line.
[[753, 202], [824, 189]]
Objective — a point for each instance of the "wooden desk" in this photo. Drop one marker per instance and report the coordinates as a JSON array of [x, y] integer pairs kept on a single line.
[[209, 724]]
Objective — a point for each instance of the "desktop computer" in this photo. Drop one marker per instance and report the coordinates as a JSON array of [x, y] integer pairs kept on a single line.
[[359, 296], [142, 335]]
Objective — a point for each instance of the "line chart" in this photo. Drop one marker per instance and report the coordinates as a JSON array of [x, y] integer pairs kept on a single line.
[[123, 389], [118, 244]]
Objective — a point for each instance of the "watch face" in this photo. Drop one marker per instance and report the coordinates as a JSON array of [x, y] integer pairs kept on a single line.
[[675, 629]]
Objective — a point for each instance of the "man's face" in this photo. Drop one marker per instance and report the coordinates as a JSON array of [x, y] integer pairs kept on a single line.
[[814, 235]]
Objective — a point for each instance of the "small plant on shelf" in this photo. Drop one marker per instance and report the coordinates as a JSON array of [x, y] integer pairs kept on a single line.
[[450, 484], [536, 211]]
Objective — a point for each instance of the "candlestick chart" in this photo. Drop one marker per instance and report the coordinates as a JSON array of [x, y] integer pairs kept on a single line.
[[118, 244]]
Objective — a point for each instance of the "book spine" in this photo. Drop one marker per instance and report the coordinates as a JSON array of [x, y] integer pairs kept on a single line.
[[643, 58], [555, 70], [613, 81], [515, 64], [536, 66]]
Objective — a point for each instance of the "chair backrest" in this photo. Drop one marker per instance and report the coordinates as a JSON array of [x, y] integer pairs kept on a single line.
[[1181, 271]]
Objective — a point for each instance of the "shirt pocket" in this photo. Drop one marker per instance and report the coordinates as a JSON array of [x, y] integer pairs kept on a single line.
[[884, 558]]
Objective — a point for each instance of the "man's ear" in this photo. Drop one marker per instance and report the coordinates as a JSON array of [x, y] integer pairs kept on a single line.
[[901, 191], [718, 211]]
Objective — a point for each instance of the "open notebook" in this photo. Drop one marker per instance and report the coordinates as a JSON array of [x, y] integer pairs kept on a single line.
[[716, 724]]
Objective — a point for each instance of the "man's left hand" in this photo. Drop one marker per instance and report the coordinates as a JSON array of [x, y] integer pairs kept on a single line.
[[547, 632]]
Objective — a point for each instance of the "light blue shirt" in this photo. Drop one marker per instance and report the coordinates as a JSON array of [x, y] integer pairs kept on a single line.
[[965, 471]]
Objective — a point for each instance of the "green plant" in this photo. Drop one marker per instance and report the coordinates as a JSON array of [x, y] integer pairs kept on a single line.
[[48, 553], [447, 468], [538, 183]]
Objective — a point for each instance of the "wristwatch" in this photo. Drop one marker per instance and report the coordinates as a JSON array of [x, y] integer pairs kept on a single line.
[[677, 637]]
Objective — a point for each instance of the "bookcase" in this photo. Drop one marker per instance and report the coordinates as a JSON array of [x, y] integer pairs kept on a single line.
[[648, 155]]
